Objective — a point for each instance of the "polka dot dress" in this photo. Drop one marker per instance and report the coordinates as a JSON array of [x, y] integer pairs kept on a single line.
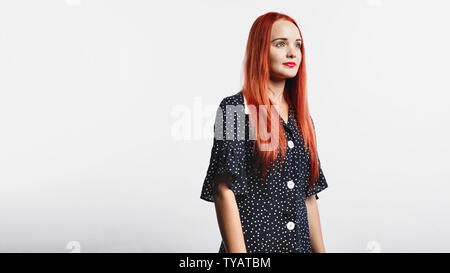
[[273, 213]]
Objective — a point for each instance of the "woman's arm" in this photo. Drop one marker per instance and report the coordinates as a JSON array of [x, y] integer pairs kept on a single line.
[[314, 225], [228, 215]]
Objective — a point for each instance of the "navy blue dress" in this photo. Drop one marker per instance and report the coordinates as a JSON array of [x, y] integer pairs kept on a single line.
[[273, 213]]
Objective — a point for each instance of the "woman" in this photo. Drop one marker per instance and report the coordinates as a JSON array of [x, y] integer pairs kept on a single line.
[[262, 177]]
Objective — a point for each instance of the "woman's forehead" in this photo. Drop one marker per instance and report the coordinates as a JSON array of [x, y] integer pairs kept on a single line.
[[284, 29]]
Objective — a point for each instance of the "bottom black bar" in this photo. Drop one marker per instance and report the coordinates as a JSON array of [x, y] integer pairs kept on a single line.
[[214, 262]]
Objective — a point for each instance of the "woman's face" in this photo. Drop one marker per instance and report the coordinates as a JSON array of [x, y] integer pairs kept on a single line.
[[285, 48]]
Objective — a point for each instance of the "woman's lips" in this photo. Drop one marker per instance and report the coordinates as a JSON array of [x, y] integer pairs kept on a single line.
[[289, 64]]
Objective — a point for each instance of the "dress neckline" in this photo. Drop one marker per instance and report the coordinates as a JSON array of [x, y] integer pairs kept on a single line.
[[289, 117], [290, 110]]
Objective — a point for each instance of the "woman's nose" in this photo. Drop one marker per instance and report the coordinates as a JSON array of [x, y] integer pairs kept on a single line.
[[290, 52]]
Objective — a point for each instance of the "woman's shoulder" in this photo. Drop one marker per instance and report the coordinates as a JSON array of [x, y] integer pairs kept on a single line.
[[235, 99], [231, 118]]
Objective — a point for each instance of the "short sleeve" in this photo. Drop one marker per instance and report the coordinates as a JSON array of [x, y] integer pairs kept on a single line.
[[321, 182], [319, 185], [228, 151]]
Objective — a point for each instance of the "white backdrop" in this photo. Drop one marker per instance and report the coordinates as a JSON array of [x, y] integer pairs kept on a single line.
[[93, 93]]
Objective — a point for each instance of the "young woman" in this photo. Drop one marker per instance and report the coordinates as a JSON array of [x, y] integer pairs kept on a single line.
[[264, 178]]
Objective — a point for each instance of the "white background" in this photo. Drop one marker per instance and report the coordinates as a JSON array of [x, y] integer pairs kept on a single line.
[[89, 92]]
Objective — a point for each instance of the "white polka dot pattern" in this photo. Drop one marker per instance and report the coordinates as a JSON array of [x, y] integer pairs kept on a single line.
[[273, 213]]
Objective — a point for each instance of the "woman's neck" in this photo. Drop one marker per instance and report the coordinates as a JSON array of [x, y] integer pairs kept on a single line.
[[276, 90]]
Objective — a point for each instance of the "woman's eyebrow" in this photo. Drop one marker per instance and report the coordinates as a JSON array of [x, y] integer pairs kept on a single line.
[[285, 39]]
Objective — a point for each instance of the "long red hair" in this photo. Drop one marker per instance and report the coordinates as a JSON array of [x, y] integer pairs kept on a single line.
[[256, 77]]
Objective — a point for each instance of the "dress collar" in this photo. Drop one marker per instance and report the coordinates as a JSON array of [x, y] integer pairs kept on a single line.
[[244, 101]]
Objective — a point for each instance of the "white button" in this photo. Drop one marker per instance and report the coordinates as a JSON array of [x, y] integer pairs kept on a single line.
[[290, 184], [290, 225], [290, 144]]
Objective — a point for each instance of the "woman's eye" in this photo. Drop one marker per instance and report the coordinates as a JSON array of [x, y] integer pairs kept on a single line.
[[282, 43]]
